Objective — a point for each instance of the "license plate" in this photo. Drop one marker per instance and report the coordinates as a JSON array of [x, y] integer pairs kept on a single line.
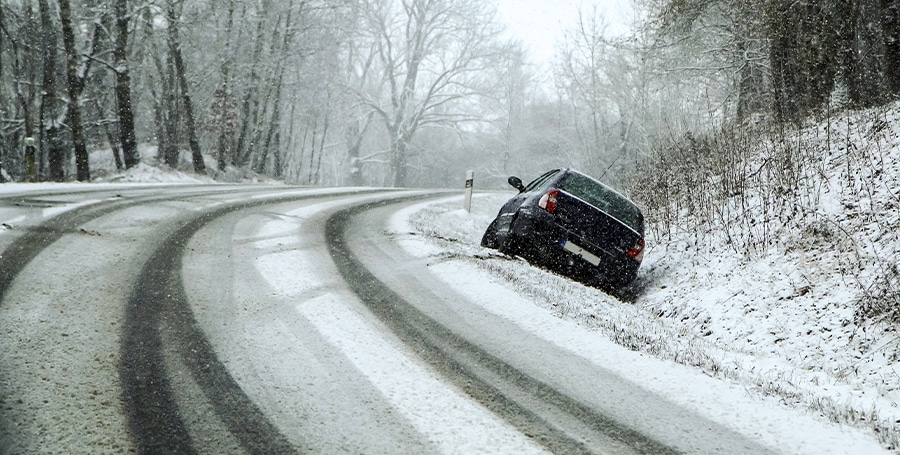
[[575, 249]]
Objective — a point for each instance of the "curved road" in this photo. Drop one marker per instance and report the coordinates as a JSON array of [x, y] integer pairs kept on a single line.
[[249, 319]]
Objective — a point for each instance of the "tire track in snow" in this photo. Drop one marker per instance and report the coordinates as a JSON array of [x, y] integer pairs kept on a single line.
[[159, 300], [36, 238], [154, 418]]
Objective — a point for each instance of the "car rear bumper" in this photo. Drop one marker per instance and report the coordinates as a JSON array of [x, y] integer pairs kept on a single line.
[[541, 239]]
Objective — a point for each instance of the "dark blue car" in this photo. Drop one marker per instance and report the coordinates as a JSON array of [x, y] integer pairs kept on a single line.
[[571, 223]]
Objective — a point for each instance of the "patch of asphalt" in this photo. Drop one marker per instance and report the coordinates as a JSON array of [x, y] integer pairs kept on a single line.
[[154, 419], [46, 197], [490, 381]]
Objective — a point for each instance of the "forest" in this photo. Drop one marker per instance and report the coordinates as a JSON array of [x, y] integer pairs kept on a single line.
[[412, 93]]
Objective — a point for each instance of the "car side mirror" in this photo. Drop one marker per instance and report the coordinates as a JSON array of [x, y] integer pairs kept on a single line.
[[516, 183]]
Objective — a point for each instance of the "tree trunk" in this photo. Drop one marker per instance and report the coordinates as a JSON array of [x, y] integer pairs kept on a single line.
[[312, 143], [250, 105], [279, 45], [890, 22], [225, 103], [123, 88], [226, 150], [274, 125], [110, 138], [276, 156], [114, 147], [75, 84], [32, 106], [751, 84], [26, 62], [49, 110], [327, 122], [861, 51], [355, 135], [803, 55], [398, 159], [175, 51], [3, 102], [169, 115]]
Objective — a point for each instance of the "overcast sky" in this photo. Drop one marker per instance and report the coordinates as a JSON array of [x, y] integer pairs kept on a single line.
[[539, 24]]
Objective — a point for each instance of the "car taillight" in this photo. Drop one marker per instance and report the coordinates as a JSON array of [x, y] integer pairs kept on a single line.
[[548, 201], [637, 253]]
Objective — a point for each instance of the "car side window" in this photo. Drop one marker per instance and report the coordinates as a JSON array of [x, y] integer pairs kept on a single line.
[[536, 183]]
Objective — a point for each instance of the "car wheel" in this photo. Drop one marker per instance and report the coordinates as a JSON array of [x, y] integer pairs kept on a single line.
[[614, 281], [489, 239], [511, 244]]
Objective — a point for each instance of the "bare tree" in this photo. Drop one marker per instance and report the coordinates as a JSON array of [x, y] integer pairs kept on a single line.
[[282, 47], [605, 82], [249, 112], [430, 55], [266, 67], [516, 83], [360, 115], [584, 65], [720, 45]]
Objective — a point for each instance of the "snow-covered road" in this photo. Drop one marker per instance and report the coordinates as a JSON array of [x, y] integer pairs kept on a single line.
[[258, 319]]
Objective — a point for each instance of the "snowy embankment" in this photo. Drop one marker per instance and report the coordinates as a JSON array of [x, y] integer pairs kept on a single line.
[[793, 323]]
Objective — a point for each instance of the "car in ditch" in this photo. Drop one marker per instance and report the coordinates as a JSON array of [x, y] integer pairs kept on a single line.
[[571, 223]]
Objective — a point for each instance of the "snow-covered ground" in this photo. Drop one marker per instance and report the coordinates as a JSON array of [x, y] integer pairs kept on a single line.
[[150, 170]]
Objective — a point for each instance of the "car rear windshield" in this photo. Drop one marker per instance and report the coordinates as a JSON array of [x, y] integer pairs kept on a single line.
[[540, 180], [605, 199]]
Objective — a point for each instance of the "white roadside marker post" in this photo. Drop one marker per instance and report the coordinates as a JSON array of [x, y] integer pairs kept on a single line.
[[29, 159], [470, 178]]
